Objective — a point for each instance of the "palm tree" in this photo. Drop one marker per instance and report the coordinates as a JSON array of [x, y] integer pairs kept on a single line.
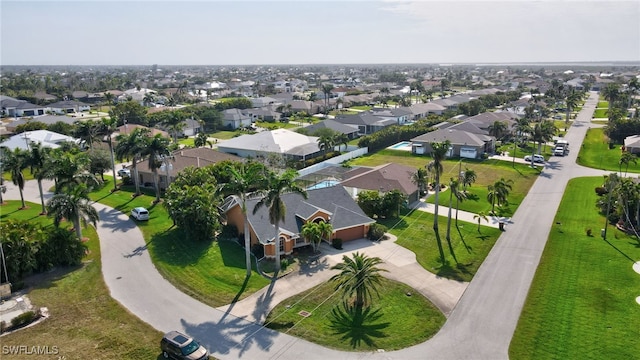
[[460, 196], [312, 233], [15, 162], [326, 230], [497, 129], [468, 178], [132, 145], [201, 140], [75, 206], [245, 178], [326, 89], [572, 99], [454, 190], [38, 163], [480, 216], [439, 153], [341, 139], [359, 276], [625, 159], [498, 192], [325, 142], [109, 126], [175, 123], [88, 131], [148, 99], [612, 94], [276, 186], [108, 98], [420, 179], [157, 148]]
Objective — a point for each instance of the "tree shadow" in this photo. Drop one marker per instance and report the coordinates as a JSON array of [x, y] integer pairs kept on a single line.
[[620, 251], [462, 240], [174, 248], [357, 324], [454, 272]]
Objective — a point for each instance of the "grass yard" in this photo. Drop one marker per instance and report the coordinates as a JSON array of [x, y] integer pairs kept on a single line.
[[276, 125], [581, 304], [361, 107], [601, 113], [85, 322], [395, 321], [470, 247], [212, 272], [225, 135], [595, 153], [603, 104]]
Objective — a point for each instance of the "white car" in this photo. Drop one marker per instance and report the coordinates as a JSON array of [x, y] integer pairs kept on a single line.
[[140, 213], [124, 172], [536, 158]]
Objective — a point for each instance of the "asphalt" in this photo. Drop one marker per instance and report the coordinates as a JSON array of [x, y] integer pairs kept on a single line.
[[482, 315]]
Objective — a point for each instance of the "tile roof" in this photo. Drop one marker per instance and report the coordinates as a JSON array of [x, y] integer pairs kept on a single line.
[[385, 178]]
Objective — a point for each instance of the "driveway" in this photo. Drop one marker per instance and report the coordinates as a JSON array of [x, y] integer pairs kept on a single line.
[[479, 327]]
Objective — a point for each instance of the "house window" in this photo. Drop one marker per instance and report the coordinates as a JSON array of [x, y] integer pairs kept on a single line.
[[282, 239]]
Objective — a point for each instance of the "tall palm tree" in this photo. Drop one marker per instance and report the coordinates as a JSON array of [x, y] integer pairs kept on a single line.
[[109, 126], [571, 100], [312, 233], [277, 185], [468, 178], [420, 179], [438, 153], [341, 139], [75, 206], [175, 123], [499, 192], [326, 143], [244, 179], [16, 161], [459, 195], [498, 129], [326, 230], [480, 216], [326, 89], [131, 146], [88, 131], [148, 99], [359, 276], [201, 139], [38, 163], [157, 148], [454, 190], [612, 94], [625, 159]]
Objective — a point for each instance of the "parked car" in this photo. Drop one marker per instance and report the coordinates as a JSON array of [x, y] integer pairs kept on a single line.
[[559, 151], [176, 345], [124, 172], [140, 213], [536, 158]]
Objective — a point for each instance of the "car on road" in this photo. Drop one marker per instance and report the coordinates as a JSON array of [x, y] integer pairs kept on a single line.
[[140, 213], [176, 345], [536, 158], [124, 173]]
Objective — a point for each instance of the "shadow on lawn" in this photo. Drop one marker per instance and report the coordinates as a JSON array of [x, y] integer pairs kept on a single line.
[[173, 247], [454, 272], [620, 251], [357, 324]]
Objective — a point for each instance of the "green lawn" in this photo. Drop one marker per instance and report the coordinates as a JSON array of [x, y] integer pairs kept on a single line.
[[395, 320], [225, 135], [276, 125], [212, 272], [595, 153], [470, 247], [362, 107], [601, 113], [582, 304], [189, 142], [603, 104], [85, 322]]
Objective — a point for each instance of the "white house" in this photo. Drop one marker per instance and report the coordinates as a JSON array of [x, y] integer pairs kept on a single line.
[[45, 138]]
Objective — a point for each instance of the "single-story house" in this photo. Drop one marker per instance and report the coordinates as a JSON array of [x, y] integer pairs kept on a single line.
[[366, 122], [128, 129], [385, 178], [284, 142], [45, 119], [419, 111], [13, 107], [399, 115], [236, 118], [45, 138], [632, 144], [350, 130], [330, 204], [68, 106], [191, 127], [464, 144], [178, 161]]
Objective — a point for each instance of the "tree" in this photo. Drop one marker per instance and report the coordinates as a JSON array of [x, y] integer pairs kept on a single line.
[[468, 178], [480, 216], [148, 99], [276, 186], [192, 202], [75, 206], [157, 149], [625, 159], [99, 163], [109, 126], [454, 190], [439, 153], [326, 143], [326, 89], [201, 140], [612, 94], [326, 230], [571, 101], [132, 145], [175, 123], [459, 195], [16, 161], [498, 129], [341, 139], [419, 178], [37, 161], [245, 178], [359, 276], [499, 192], [313, 234]]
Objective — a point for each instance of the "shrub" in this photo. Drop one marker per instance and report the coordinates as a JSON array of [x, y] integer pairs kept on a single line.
[[284, 264], [377, 231], [600, 190], [23, 319], [337, 243], [258, 251]]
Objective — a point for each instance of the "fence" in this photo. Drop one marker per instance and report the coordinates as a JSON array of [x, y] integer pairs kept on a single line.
[[333, 161]]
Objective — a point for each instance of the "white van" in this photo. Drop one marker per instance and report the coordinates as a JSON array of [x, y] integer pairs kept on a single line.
[[140, 213]]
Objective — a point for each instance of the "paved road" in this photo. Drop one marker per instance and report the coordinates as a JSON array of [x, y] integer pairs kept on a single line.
[[479, 327]]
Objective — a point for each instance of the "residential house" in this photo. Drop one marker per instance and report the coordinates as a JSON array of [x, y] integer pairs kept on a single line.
[[45, 138], [350, 130], [267, 113], [235, 118], [16, 108], [264, 101], [180, 160], [330, 204], [632, 144], [385, 178], [422, 110], [486, 119], [399, 115], [69, 106], [191, 127], [464, 144], [287, 143], [45, 119], [129, 128], [366, 122]]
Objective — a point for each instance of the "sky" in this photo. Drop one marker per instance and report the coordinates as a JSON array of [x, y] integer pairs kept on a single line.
[[208, 32]]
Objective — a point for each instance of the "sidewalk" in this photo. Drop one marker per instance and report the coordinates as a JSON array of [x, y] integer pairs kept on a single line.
[[494, 221]]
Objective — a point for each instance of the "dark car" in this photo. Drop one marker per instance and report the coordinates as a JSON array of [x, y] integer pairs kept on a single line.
[[176, 345]]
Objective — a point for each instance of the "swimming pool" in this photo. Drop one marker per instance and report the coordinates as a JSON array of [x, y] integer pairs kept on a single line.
[[323, 184], [404, 145]]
